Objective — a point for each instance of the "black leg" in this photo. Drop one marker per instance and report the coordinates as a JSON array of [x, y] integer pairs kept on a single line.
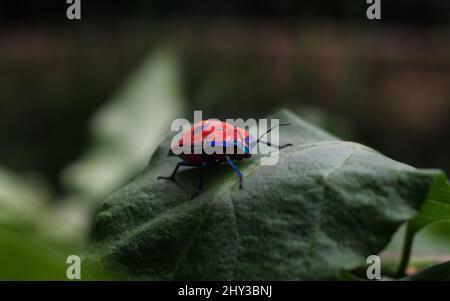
[[174, 172], [275, 145], [200, 180], [170, 153], [200, 177], [236, 170], [172, 176]]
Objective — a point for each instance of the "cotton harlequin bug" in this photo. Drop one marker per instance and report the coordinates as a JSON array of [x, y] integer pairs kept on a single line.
[[236, 144]]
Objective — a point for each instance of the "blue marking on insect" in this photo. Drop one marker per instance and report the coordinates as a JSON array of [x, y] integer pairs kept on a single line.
[[244, 144]]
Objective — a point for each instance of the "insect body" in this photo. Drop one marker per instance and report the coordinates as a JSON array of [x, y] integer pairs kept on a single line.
[[227, 143]]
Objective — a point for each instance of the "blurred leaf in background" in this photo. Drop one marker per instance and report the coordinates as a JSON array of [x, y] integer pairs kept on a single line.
[[437, 206], [124, 133], [427, 236], [129, 127], [29, 245], [439, 272], [22, 198], [37, 235], [25, 206]]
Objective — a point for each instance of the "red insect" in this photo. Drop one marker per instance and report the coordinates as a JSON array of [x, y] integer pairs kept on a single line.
[[235, 144]]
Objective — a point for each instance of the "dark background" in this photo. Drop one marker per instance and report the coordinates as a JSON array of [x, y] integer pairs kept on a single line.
[[401, 11], [382, 83]]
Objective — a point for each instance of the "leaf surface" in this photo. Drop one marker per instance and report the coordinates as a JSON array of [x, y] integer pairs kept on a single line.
[[322, 209], [436, 208]]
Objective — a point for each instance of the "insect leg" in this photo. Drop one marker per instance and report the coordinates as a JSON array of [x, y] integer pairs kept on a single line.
[[170, 153], [200, 178], [236, 170], [174, 172], [275, 145]]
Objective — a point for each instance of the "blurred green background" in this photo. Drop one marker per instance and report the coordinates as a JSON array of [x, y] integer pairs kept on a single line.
[[84, 103]]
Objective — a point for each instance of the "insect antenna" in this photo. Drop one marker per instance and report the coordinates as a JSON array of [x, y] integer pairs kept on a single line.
[[268, 131]]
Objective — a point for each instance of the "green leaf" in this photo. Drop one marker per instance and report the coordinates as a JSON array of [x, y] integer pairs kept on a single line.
[[440, 272], [436, 208], [321, 210], [437, 205], [431, 246], [23, 256], [34, 243]]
